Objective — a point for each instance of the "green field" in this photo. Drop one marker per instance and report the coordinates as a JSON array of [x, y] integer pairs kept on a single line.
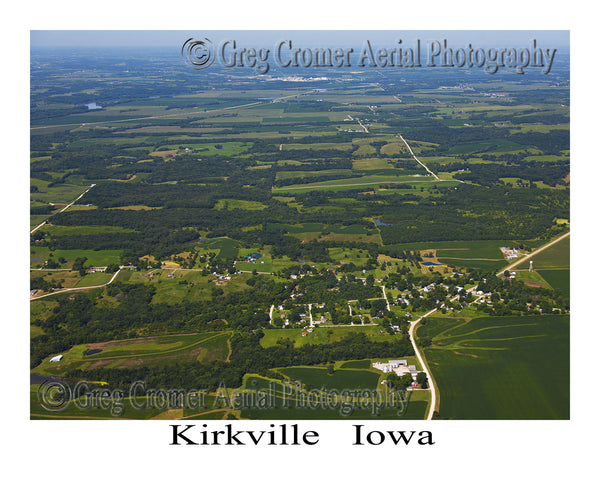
[[556, 256], [356, 364], [500, 367], [228, 248], [558, 279], [314, 377]]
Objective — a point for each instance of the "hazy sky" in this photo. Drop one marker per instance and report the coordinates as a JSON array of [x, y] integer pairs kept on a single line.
[[169, 38]]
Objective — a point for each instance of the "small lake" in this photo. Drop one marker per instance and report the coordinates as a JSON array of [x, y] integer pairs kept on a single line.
[[95, 350]]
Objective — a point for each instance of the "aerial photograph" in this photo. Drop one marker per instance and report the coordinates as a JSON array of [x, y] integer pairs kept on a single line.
[[299, 225]]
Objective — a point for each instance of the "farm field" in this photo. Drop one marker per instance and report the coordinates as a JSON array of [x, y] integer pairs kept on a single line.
[[502, 368], [556, 256], [558, 279]]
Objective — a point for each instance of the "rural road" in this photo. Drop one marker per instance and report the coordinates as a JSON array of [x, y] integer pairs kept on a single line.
[[385, 296], [423, 364], [67, 206], [419, 161]]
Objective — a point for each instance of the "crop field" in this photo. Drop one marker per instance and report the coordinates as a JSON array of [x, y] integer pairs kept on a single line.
[[486, 249], [500, 367], [314, 377], [556, 256], [558, 279]]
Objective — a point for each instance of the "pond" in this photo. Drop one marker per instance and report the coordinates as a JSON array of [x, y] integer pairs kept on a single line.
[[91, 352]]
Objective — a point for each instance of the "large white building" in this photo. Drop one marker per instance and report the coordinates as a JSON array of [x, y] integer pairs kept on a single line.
[[399, 367]]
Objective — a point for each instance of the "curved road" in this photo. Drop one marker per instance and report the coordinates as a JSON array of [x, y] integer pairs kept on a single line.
[[423, 364]]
